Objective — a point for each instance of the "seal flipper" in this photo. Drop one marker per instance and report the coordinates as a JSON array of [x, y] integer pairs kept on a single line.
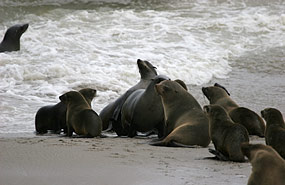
[[170, 144], [218, 155]]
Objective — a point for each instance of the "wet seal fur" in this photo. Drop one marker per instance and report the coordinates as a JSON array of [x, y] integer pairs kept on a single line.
[[186, 125], [11, 40], [275, 130], [268, 167], [226, 135], [143, 110], [80, 118], [53, 117], [219, 95], [111, 114]]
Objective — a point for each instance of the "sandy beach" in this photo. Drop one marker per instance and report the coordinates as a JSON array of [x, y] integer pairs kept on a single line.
[[57, 160]]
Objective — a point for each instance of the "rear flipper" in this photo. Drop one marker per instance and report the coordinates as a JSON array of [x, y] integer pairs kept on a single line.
[[218, 155], [170, 144]]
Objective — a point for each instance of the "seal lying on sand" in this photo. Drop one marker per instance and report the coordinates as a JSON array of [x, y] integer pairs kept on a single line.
[[267, 165], [80, 118], [226, 135], [53, 117], [275, 130], [217, 94], [185, 122], [111, 114], [143, 110], [11, 40]]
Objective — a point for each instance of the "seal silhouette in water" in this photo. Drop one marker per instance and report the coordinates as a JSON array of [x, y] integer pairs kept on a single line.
[[11, 40]]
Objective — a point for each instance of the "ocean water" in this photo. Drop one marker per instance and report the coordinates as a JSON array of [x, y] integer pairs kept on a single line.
[[73, 44]]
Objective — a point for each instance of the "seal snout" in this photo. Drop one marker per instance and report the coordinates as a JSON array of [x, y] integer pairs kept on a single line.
[[24, 27]]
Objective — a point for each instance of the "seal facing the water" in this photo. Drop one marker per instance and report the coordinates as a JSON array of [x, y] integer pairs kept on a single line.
[[185, 122], [111, 114], [267, 165], [53, 117], [217, 94], [11, 40], [226, 135], [275, 130]]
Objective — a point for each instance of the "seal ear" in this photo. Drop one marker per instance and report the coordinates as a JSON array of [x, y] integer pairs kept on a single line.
[[180, 82], [218, 85], [64, 98]]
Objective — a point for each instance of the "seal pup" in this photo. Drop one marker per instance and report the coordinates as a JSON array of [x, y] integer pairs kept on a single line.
[[80, 118], [275, 130], [53, 117], [219, 95], [226, 135], [11, 40], [185, 122], [268, 167], [143, 110], [111, 114]]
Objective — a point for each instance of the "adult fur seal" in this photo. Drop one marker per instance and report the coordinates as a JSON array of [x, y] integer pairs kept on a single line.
[[217, 94], [53, 117], [80, 118], [267, 165], [111, 114], [143, 110], [275, 130], [185, 122], [226, 135], [11, 40]]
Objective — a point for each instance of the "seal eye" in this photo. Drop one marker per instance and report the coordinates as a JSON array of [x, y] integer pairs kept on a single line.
[[206, 109]]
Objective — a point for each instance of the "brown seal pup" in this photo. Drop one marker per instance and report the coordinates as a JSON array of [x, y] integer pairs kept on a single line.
[[226, 135], [80, 118], [254, 124], [111, 114], [53, 117], [275, 130], [11, 40], [143, 110], [268, 167], [185, 122]]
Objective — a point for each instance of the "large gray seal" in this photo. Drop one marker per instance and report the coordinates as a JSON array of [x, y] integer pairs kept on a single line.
[[275, 130], [226, 135], [80, 118], [254, 124], [53, 117], [185, 122], [268, 167], [111, 114], [11, 40], [143, 110]]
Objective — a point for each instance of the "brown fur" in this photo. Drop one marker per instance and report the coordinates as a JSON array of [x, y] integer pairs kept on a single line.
[[80, 118], [275, 130], [250, 120], [225, 134], [268, 168], [186, 124]]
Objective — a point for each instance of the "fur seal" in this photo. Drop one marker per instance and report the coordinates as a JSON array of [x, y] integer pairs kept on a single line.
[[111, 114], [53, 117], [226, 135], [11, 40], [275, 130], [80, 118], [143, 110], [267, 165], [185, 122], [219, 95]]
